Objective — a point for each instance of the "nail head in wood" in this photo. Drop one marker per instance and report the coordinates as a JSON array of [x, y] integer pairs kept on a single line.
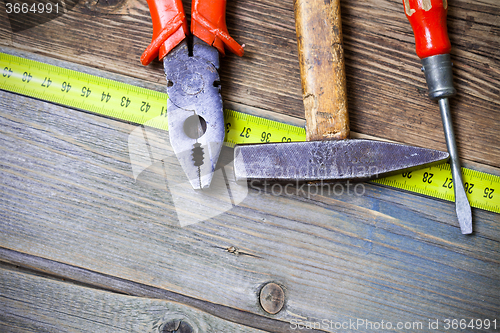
[[272, 298]]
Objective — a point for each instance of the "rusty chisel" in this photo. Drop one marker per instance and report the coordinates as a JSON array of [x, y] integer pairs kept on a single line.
[[328, 154]]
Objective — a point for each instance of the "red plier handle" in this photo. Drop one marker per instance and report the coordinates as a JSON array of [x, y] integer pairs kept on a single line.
[[208, 22]]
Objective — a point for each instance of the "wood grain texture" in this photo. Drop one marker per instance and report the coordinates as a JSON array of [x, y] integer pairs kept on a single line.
[[32, 303], [322, 69], [386, 89], [83, 277], [69, 195]]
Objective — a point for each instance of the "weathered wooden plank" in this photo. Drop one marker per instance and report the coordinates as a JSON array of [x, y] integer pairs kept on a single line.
[[51, 269], [69, 195], [387, 92], [31, 303]]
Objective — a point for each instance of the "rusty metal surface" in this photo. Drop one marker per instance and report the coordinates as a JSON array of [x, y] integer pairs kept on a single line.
[[329, 160]]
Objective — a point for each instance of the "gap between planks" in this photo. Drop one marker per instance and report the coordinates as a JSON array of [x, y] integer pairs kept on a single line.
[[85, 278]]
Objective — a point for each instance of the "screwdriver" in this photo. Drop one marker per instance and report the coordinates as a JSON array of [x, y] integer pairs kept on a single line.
[[428, 20]]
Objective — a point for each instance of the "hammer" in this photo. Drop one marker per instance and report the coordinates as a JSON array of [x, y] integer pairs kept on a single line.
[[328, 154]]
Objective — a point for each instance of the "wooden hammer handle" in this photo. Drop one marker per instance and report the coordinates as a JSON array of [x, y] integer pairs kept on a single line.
[[322, 70]]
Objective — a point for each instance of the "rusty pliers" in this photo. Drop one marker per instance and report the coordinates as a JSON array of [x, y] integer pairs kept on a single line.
[[194, 106]]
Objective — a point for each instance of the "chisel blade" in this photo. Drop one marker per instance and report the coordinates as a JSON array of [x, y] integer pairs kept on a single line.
[[329, 160]]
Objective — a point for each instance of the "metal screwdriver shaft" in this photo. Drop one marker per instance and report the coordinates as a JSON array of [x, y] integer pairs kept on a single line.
[[462, 205], [428, 20], [439, 77]]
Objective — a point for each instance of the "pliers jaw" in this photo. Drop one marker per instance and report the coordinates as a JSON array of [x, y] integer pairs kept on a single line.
[[194, 109]]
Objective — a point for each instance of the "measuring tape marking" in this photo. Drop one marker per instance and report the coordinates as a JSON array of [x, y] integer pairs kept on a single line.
[[437, 182], [148, 107]]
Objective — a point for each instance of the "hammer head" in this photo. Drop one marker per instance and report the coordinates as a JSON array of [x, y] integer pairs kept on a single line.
[[329, 160]]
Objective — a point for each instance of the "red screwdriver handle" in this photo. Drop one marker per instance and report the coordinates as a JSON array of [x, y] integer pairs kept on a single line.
[[428, 20], [169, 28]]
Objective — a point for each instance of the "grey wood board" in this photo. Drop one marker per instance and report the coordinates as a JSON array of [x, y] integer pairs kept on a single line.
[[31, 303], [69, 195], [84, 277]]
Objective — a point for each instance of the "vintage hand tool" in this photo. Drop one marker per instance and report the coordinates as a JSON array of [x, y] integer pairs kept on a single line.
[[321, 57], [428, 19], [194, 107]]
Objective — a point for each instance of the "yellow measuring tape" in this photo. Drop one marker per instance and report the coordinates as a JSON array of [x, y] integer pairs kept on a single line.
[[147, 107]]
